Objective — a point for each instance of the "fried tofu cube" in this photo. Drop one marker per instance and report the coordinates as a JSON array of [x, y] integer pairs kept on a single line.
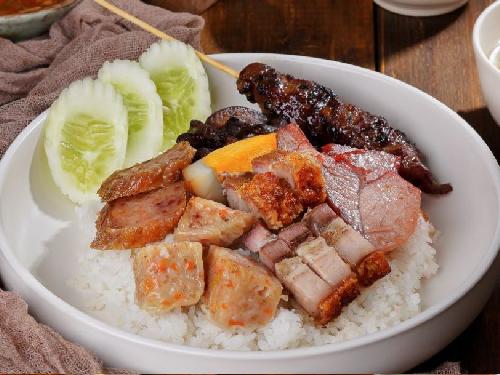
[[212, 223], [240, 293], [168, 276]]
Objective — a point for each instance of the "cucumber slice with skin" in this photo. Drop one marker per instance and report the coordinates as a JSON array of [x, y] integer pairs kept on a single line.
[[181, 82], [85, 137], [144, 106]]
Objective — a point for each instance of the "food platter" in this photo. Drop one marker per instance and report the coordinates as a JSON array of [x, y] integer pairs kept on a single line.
[[39, 236]]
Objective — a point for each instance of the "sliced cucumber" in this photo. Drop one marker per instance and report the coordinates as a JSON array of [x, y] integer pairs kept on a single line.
[[181, 82], [85, 137], [144, 106]]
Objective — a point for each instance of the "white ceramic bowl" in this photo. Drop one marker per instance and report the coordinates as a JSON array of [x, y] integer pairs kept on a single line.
[[485, 38], [39, 238], [420, 8]]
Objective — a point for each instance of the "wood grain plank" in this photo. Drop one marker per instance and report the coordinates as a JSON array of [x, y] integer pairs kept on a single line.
[[435, 54], [319, 28]]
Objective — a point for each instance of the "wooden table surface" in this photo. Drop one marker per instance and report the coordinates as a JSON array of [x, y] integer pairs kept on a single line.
[[433, 53]]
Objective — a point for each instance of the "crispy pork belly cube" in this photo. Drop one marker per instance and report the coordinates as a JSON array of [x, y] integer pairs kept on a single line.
[[324, 260], [149, 175], [273, 252], [314, 294], [373, 267], [318, 218], [212, 223], [168, 276], [301, 171], [357, 251], [294, 234], [350, 245], [265, 195], [257, 238], [132, 222], [240, 293]]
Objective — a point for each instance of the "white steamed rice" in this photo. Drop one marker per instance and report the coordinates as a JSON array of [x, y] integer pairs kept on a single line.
[[105, 281]]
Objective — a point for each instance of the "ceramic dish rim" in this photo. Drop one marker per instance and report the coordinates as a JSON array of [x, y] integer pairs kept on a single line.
[[476, 37], [476, 275]]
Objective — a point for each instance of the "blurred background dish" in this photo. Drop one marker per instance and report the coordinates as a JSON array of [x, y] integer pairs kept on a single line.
[[420, 8], [486, 41], [22, 19]]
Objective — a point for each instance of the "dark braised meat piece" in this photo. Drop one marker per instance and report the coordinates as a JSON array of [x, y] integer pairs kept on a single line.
[[324, 118], [205, 137], [244, 114]]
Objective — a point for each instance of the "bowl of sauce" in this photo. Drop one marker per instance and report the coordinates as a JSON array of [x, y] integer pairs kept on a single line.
[[22, 19]]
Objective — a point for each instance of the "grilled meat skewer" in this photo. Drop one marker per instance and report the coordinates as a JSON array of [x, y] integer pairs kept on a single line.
[[324, 118]]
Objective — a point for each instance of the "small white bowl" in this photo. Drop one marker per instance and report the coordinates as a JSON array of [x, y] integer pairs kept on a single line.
[[420, 8], [485, 38]]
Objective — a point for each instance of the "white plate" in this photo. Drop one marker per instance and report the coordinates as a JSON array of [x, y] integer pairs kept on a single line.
[[39, 237]]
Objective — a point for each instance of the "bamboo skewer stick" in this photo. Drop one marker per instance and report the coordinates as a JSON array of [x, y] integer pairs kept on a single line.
[[153, 30]]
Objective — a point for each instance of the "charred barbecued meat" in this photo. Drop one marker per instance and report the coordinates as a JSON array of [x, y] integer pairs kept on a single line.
[[326, 119], [223, 127]]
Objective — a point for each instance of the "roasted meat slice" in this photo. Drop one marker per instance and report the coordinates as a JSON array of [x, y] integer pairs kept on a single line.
[[384, 210], [265, 195], [324, 260], [326, 119], [294, 234], [389, 209], [368, 164], [315, 295], [256, 238], [149, 175], [367, 262], [343, 187], [132, 222], [168, 276], [301, 171], [291, 138], [273, 252], [365, 190], [318, 218], [308, 289], [364, 259], [212, 223], [240, 293]]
